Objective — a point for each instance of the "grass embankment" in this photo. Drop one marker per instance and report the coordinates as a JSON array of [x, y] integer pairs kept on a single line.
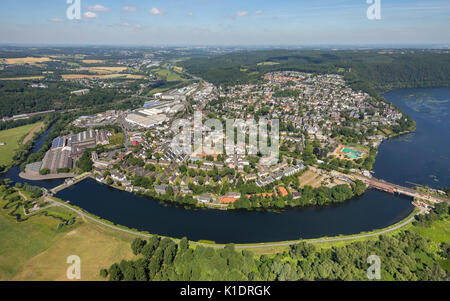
[[12, 138]]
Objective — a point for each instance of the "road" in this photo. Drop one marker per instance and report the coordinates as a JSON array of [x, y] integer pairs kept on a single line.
[[250, 246]]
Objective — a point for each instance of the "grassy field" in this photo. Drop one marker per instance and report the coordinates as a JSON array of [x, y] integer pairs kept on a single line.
[[36, 250], [168, 75], [116, 139], [12, 139], [268, 63], [103, 70], [39, 126]]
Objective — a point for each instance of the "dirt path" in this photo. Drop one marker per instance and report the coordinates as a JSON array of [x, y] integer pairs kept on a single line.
[[34, 130]]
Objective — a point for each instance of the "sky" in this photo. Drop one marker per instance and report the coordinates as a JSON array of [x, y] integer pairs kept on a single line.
[[224, 22]]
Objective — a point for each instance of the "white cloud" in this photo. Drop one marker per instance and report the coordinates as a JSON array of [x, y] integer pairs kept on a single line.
[[98, 7], [258, 12], [241, 13], [155, 11], [90, 15], [57, 20], [190, 14], [130, 9]]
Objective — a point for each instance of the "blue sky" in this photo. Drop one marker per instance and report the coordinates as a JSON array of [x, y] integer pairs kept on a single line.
[[225, 22]]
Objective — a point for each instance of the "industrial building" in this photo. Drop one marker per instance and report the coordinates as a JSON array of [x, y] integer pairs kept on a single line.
[[87, 139], [57, 158], [145, 121], [66, 150]]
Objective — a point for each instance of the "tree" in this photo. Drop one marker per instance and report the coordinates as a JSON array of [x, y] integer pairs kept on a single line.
[[104, 273], [85, 163], [184, 244], [137, 246], [441, 208], [115, 274], [44, 171], [150, 247]]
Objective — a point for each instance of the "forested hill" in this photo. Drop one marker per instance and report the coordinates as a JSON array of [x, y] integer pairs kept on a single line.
[[381, 69]]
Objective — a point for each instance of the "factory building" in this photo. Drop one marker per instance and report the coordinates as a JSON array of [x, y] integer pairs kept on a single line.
[[66, 150], [57, 158], [145, 121]]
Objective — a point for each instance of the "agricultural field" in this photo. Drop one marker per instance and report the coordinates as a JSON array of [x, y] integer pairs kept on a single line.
[[25, 60], [268, 63], [23, 78], [103, 70], [102, 76], [93, 61], [11, 139]]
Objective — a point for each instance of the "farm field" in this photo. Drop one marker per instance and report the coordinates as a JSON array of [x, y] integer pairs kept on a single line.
[[103, 70], [268, 63], [104, 76], [93, 61], [11, 139], [26, 60], [23, 78]]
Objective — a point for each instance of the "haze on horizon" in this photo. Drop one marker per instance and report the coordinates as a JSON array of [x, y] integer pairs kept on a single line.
[[213, 22]]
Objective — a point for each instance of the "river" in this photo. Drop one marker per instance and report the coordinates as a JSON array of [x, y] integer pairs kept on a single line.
[[420, 157]]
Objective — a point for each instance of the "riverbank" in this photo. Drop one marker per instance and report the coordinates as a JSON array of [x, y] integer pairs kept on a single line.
[[46, 259], [353, 237], [35, 177]]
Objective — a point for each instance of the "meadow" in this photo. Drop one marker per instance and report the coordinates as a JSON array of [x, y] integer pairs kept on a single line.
[[36, 249], [11, 139]]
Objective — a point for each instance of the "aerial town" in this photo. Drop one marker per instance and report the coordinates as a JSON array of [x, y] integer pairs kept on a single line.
[[319, 118]]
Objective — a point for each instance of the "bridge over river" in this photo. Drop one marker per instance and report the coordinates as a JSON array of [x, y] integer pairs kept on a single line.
[[70, 182], [397, 189]]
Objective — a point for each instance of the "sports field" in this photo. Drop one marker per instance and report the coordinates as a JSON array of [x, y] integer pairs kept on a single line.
[[11, 140]]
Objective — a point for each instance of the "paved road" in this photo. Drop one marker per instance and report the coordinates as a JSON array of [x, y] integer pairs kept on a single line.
[[85, 216]]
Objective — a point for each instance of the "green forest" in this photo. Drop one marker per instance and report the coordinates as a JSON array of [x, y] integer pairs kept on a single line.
[[368, 70], [404, 256]]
